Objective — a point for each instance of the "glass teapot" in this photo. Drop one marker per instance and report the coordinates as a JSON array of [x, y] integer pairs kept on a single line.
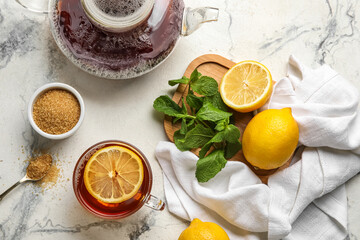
[[121, 39]]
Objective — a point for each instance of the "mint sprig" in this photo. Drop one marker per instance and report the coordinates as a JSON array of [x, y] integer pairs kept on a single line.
[[205, 124]]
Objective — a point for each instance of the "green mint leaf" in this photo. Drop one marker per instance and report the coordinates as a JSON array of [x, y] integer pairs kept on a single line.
[[219, 137], [191, 123], [231, 149], [183, 128], [210, 113], [194, 101], [217, 101], [198, 136], [222, 124], [176, 119], [232, 133], [179, 140], [195, 75], [167, 106], [183, 107], [209, 166], [205, 149], [204, 85], [183, 80]]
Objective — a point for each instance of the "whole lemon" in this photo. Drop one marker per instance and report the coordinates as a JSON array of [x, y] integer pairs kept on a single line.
[[199, 230], [270, 138]]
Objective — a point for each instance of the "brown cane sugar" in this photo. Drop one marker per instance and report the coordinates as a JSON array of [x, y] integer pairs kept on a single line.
[[39, 167], [51, 178], [56, 111]]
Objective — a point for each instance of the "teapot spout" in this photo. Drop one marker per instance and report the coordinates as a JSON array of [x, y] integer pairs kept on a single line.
[[193, 18]]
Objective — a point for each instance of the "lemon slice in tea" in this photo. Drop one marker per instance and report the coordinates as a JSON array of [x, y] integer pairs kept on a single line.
[[246, 86], [113, 174]]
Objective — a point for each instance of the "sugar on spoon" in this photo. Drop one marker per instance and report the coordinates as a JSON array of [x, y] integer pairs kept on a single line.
[[36, 170]]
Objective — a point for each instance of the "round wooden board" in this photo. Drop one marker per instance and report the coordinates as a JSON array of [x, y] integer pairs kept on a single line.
[[215, 66]]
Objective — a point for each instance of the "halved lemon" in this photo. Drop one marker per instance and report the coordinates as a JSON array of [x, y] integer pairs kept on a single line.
[[113, 174], [246, 86]]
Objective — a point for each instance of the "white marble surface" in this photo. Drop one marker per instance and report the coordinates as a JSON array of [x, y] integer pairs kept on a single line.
[[317, 32]]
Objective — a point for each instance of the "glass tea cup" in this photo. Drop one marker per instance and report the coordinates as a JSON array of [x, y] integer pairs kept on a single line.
[[115, 210]]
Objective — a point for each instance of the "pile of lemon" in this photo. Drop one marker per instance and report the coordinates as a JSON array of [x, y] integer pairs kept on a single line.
[[271, 137], [199, 230]]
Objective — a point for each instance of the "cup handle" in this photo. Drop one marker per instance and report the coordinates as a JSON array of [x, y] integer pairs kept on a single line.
[[155, 203], [193, 18]]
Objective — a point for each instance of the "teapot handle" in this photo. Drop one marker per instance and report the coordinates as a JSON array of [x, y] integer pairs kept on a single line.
[[193, 18], [38, 6]]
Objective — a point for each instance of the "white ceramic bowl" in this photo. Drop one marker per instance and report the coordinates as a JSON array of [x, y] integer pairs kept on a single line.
[[45, 88]]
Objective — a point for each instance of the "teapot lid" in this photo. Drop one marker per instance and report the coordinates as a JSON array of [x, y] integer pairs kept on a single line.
[[117, 15]]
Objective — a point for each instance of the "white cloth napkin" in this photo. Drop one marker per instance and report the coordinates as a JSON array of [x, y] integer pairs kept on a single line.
[[307, 200]]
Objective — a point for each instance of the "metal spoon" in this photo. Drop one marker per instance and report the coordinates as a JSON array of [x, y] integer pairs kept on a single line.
[[24, 179]]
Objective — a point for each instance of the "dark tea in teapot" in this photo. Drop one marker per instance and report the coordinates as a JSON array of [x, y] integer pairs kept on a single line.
[[133, 50]]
